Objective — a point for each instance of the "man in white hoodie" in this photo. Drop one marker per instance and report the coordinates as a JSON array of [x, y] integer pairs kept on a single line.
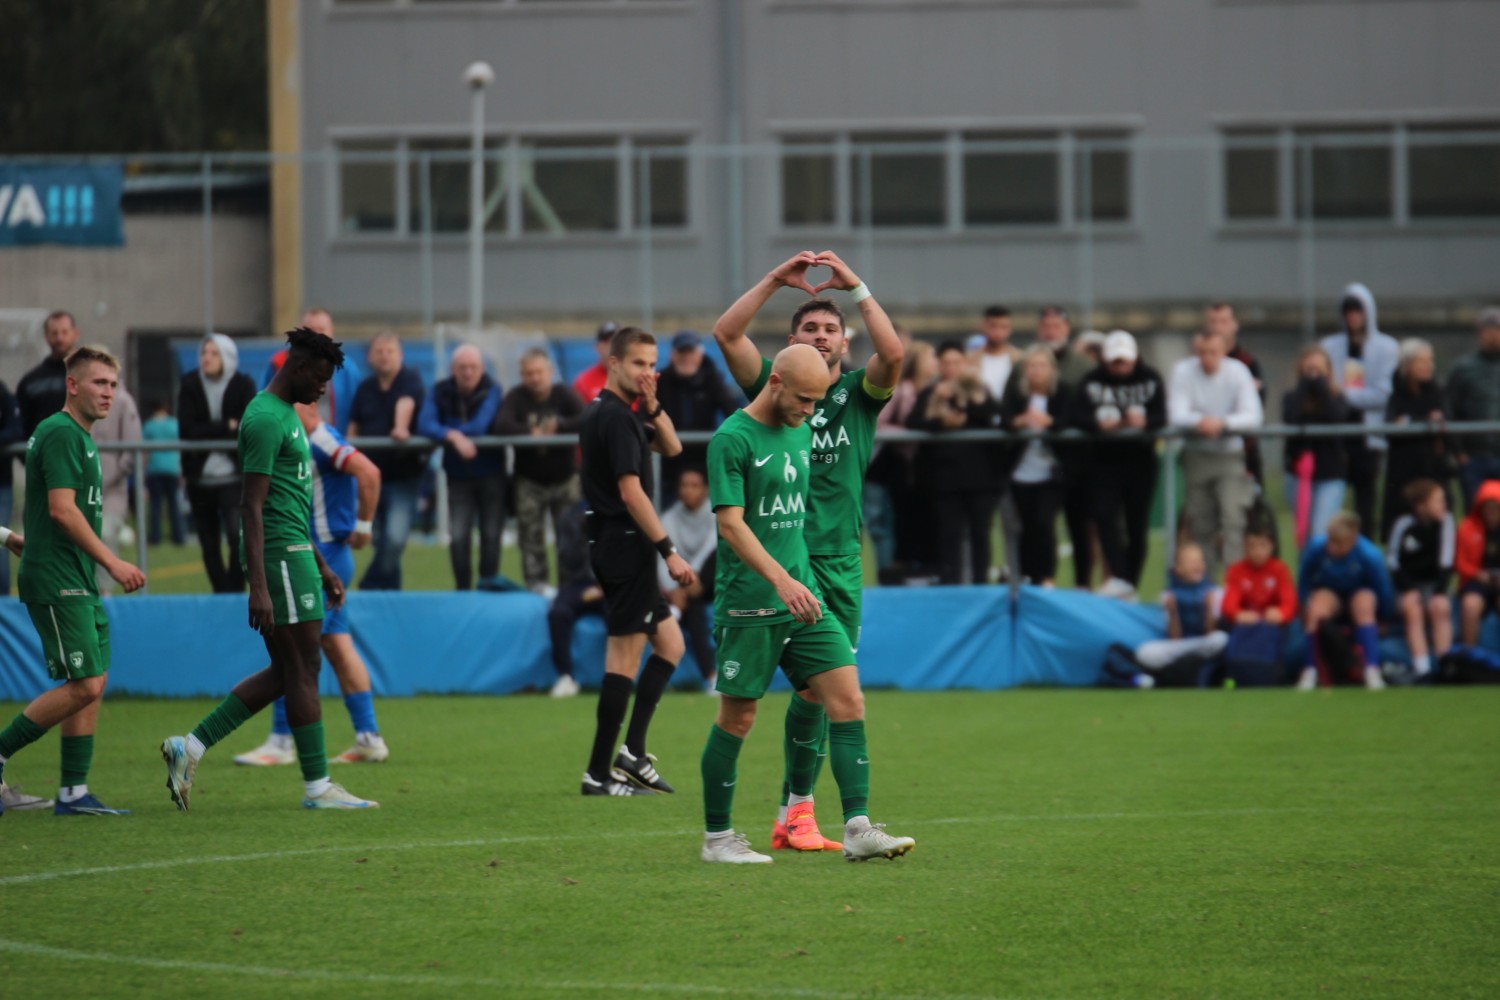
[[1364, 364], [209, 407]]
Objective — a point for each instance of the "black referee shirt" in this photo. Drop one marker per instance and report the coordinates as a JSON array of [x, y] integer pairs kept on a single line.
[[614, 443]]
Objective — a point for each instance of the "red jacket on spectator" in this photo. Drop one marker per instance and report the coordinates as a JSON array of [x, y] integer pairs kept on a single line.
[[1469, 559], [1258, 589], [589, 384]]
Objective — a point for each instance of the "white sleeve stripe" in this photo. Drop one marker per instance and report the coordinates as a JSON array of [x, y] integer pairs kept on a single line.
[[1393, 547], [343, 455], [1445, 560]]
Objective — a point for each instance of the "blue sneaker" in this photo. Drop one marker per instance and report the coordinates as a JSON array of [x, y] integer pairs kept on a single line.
[[89, 805], [180, 769]]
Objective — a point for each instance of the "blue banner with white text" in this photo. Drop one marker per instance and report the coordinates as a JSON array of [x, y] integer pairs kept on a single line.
[[74, 206]]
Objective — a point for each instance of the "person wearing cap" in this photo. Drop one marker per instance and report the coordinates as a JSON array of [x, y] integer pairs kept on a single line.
[[1122, 394], [1474, 394], [546, 477], [696, 396], [589, 384], [1364, 366]]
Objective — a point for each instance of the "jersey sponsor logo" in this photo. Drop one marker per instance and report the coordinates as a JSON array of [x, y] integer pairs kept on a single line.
[[824, 442], [762, 461], [753, 613], [730, 669], [72, 593], [304, 471], [308, 600], [95, 497], [76, 659], [789, 472], [782, 506]]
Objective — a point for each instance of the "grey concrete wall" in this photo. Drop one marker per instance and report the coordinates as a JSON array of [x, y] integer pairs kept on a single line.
[[1173, 71]]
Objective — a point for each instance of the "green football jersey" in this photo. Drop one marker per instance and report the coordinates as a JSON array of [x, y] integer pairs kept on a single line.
[[60, 455], [764, 470], [272, 443], [843, 439]]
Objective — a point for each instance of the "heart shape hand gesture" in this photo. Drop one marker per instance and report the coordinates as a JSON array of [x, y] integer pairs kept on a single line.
[[793, 273]]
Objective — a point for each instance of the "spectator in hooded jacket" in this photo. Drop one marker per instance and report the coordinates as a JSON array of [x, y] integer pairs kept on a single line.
[[1420, 556], [1039, 402], [1122, 394], [1315, 466], [1474, 394], [1344, 579], [209, 407], [1478, 560], [1416, 398], [459, 408], [1364, 363], [961, 476]]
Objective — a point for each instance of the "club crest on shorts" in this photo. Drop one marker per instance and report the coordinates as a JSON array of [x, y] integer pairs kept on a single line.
[[730, 669], [76, 659], [308, 600]]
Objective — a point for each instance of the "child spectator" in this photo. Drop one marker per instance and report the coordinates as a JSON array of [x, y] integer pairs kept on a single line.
[[1344, 581], [1193, 645], [1259, 600], [692, 526], [1420, 556], [163, 475], [1479, 560]]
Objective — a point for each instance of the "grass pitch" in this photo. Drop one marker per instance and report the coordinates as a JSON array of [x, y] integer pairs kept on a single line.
[[1069, 844]]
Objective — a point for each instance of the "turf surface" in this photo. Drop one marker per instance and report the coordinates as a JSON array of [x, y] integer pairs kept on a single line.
[[1070, 844]]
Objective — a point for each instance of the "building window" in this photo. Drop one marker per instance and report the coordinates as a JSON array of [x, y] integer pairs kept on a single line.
[[448, 166], [666, 162], [906, 182], [1010, 178], [1350, 174], [1102, 177], [1252, 175], [809, 181], [570, 186], [367, 187], [1453, 172]]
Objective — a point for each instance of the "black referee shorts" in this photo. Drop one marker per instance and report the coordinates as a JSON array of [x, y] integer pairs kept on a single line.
[[624, 562]]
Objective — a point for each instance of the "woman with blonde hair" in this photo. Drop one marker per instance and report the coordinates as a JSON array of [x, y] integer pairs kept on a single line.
[[1417, 397], [1316, 467], [1037, 402]]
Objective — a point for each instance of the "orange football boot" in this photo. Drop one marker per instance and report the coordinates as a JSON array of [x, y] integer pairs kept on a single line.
[[802, 831]]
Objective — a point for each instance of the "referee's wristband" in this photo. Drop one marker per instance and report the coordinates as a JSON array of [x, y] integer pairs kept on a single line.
[[860, 292], [364, 527], [665, 546], [5, 534]]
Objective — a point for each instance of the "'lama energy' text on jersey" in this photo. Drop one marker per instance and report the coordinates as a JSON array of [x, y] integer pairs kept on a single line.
[[59, 455], [843, 439], [766, 470], [335, 493]]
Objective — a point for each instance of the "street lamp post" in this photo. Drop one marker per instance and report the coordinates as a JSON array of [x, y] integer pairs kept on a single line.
[[479, 76]]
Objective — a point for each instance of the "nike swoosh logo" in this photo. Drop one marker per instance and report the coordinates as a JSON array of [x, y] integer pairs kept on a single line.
[[728, 784], [860, 760], [762, 461], [90, 454]]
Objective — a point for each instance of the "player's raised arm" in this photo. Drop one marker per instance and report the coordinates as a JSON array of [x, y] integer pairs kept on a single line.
[[884, 369], [62, 507], [253, 529], [740, 353], [797, 598]]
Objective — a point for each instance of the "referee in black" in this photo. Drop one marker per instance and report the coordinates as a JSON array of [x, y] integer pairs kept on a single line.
[[625, 537]]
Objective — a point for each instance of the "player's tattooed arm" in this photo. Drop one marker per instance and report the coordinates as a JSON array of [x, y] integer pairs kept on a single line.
[[62, 507], [253, 530], [740, 353], [884, 368], [797, 598]]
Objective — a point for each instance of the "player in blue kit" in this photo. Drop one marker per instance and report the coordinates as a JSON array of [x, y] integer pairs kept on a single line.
[[346, 490]]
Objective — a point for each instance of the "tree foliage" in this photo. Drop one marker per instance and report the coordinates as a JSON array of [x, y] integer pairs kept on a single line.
[[105, 76]]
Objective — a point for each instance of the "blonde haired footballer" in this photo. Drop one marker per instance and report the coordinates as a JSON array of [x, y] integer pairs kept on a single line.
[[768, 611]]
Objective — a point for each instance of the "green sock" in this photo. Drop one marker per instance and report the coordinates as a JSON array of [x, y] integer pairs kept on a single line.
[[77, 755], [822, 757], [21, 732], [310, 751], [851, 766], [804, 732], [721, 754], [229, 716]]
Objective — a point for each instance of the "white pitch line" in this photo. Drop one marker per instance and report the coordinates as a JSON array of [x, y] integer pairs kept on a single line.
[[392, 979]]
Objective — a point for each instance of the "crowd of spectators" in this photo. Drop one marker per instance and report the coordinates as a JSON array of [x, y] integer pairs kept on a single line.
[[931, 508]]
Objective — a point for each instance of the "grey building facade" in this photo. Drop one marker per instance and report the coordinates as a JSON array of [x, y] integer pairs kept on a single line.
[[1134, 156]]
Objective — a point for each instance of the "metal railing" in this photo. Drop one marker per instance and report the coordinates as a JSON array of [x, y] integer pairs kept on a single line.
[[1172, 437]]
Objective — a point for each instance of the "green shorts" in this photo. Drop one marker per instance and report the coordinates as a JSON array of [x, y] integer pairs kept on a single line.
[[296, 585], [748, 654], [75, 639], [842, 581]]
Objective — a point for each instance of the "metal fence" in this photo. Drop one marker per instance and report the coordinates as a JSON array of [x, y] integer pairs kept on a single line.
[[1171, 438]]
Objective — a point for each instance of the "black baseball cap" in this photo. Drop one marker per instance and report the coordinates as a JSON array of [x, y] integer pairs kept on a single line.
[[606, 331]]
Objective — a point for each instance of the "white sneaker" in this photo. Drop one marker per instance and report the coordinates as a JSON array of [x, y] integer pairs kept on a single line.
[[1308, 681], [1117, 588], [874, 842], [337, 797], [566, 687], [1373, 679], [732, 849], [14, 800], [271, 753], [367, 749]]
